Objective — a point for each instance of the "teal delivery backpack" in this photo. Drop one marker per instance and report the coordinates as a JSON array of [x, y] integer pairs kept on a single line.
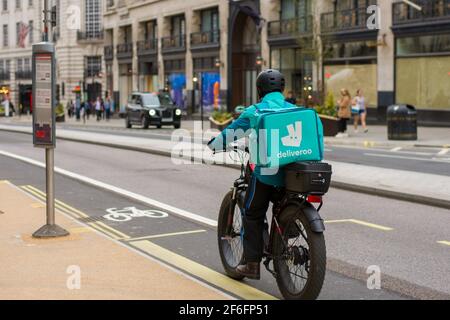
[[285, 136]]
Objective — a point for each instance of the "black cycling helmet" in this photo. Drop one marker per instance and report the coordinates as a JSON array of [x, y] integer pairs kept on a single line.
[[268, 81]]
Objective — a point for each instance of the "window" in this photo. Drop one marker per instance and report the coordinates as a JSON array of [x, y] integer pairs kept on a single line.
[[93, 66], [93, 17], [210, 20], [5, 5], [423, 45], [5, 35], [295, 8], [423, 82], [17, 33], [26, 64], [30, 3], [19, 67], [178, 26], [18, 4], [354, 49], [30, 32]]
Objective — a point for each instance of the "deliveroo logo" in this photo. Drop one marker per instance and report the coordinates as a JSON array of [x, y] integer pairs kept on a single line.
[[294, 139]]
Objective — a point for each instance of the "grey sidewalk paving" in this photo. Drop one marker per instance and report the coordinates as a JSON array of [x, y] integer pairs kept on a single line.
[[405, 185], [438, 137]]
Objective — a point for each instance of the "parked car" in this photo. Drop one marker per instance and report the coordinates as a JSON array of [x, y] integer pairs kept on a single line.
[[156, 109]]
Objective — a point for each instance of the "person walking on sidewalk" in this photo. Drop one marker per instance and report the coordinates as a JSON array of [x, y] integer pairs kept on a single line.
[[359, 111], [107, 108], [98, 108], [344, 112]]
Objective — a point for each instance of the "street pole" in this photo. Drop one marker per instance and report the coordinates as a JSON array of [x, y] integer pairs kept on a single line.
[[44, 123]]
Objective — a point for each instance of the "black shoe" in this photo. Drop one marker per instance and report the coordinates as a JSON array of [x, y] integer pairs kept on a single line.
[[250, 270]]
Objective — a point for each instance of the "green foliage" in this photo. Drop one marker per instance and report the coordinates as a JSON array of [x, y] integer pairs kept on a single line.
[[221, 116], [59, 110], [329, 107]]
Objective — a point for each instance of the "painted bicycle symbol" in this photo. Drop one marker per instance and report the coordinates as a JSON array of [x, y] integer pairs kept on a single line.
[[128, 213]]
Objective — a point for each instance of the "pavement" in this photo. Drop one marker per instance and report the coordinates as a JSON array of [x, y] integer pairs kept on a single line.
[[47, 269], [424, 188]]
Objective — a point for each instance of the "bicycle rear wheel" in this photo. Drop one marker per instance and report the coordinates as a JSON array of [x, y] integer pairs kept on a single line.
[[230, 236], [299, 257]]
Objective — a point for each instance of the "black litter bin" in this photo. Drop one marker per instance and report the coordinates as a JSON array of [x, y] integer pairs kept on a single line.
[[402, 122]]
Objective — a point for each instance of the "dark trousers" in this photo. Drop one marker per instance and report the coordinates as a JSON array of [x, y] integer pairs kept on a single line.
[[342, 124], [257, 202]]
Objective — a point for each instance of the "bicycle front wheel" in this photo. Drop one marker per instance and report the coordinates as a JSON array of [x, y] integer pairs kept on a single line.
[[229, 235], [299, 257]]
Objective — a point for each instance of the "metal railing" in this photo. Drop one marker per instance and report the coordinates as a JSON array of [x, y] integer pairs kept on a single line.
[[291, 27], [205, 38], [432, 10], [125, 50], [174, 42], [147, 46], [23, 74], [344, 20], [90, 35], [108, 52]]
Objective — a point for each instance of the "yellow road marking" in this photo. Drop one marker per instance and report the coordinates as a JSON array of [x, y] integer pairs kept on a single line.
[[446, 243], [163, 235], [198, 270], [80, 230], [363, 223], [4, 181], [100, 226]]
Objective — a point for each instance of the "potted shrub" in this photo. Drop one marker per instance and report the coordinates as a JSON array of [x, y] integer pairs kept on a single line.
[[220, 119], [328, 115], [60, 115]]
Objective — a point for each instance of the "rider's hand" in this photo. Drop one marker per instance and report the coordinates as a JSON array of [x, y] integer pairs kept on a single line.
[[209, 144]]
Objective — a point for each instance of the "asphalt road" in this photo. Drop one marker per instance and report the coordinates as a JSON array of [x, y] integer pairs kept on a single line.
[[425, 160], [407, 241]]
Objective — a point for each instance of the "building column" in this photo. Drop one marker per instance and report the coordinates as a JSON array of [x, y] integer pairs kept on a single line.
[[270, 11], [386, 59], [223, 55], [14, 87], [115, 64], [135, 60], [189, 62], [161, 27]]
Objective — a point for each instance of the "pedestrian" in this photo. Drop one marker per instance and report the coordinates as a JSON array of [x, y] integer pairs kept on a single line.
[[83, 111], [78, 105], [359, 111], [69, 107], [87, 108], [291, 98], [98, 109], [107, 108], [5, 104], [344, 112]]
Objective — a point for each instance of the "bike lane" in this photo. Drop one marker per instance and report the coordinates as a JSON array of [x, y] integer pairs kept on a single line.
[[188, 246]]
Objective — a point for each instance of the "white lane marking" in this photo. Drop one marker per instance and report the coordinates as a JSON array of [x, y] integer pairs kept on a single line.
[[443, 152], [128, 213], [117, 190], [402, 157], [396, 149], [328, 150]]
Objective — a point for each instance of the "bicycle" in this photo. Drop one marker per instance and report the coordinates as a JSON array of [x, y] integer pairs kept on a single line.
[[294, 242]]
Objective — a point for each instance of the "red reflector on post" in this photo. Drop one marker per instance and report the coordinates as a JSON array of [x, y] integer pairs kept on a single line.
[[314, 199], [40, 134]]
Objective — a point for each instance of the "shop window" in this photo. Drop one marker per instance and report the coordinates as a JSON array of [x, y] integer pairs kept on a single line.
[[423, 82], [352, 77]]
